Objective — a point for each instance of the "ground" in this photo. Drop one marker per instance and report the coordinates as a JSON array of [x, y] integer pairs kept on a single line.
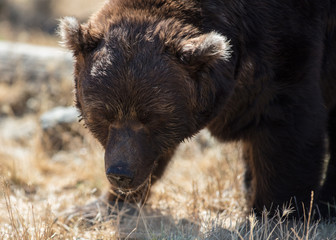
[[37, 186]]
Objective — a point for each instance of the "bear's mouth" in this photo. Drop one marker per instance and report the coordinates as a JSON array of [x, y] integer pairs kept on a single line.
[[146, 184]]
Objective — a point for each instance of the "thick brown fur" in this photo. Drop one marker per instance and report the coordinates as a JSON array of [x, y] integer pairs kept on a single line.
[[151, 73]]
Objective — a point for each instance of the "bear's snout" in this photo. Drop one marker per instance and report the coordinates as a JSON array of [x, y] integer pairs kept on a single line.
[[128, 157]]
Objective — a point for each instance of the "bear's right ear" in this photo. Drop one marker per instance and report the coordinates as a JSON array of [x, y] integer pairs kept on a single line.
[[205, 49], [76, 37]]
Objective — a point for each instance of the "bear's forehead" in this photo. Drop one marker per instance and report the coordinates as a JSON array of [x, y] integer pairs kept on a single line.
[[136, 63], [130, 82], [102, 62]]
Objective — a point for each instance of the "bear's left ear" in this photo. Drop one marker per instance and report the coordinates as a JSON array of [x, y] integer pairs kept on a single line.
[[77, 37], [205, 49]]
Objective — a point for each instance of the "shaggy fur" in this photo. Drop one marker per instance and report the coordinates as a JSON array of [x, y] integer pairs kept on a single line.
[[151, 73]]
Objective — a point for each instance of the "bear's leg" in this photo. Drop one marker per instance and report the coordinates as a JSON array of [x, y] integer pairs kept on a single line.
[[328, 192], [286, 161], [248, 177]]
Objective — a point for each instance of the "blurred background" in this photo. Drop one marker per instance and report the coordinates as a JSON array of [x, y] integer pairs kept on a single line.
[[36, 74], [35, 21]]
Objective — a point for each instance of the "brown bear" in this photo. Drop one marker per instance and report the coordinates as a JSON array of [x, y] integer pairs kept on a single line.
[[151, 73]]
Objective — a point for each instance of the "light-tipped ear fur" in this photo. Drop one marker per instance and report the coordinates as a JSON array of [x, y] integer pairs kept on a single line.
[[77, 37], [206, 48], [70, 32]]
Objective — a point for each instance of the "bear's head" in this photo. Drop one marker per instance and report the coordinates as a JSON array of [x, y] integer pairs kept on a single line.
[[142, 86]]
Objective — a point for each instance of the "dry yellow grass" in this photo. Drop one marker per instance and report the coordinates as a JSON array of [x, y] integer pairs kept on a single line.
[[36, 188]]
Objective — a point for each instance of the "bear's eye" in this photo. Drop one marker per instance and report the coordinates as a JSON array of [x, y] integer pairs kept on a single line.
[[98, 126], [144, 117], [96, 118]]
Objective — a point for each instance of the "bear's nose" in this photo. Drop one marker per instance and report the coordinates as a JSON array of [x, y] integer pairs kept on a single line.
[[118, 175]]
